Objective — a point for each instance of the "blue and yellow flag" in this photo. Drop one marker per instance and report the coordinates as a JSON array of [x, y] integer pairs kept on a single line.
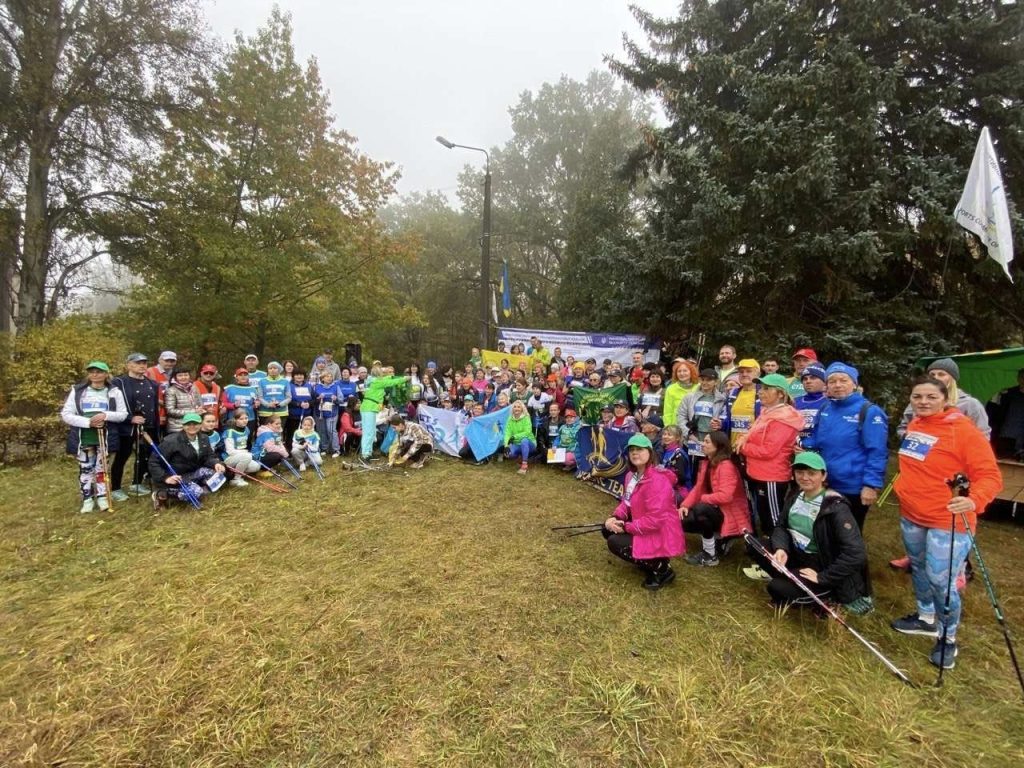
[[506, 291], [485, 434]]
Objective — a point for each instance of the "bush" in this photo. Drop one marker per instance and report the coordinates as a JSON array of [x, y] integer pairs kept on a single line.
[[48, 360], [37, 437]]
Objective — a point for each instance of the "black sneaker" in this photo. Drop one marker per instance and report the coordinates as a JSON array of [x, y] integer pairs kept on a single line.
[[702, 558], [947, 660], [911, 624], [658, 579], [722, 547]]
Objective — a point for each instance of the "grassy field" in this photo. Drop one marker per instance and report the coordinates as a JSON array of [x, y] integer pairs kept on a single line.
[[434, 620]]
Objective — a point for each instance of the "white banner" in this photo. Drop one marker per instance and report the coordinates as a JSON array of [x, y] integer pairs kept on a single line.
[[446, 427], [982, 208], [619, 347]]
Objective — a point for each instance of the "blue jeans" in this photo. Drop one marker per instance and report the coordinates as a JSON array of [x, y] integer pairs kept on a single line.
[[327, 428], [928, 549], [523, 448]]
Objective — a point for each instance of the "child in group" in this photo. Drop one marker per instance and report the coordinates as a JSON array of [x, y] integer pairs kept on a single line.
[[269, 448], [568, 438], [234, 442], [306, 444], [209, 428]]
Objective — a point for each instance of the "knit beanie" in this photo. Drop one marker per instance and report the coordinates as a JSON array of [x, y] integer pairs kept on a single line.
[[948, 365]]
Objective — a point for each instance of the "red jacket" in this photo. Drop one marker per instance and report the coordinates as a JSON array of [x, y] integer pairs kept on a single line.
[[725, 492], [771, 442], [651, 516], [155, 372], [934, 449]]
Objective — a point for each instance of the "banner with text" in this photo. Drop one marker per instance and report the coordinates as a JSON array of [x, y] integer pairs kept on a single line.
[[492, 359], [602, 458], [619, 347], [446, 427]]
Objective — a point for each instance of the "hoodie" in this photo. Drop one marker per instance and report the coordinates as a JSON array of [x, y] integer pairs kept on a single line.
[[771, 442], [854, 445]]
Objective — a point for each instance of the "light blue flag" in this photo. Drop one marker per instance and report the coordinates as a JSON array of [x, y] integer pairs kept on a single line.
[[446, 427], [486, 433], [389, 438]]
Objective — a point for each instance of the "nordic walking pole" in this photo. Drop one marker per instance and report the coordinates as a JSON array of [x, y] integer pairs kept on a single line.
[[994, 599], [888, 490], [183, 488], [316, 467], [291, 469], [960, 486], [101, 449], [257, 480], [581, 533], [578, 525], [758, 547], [278, 475]]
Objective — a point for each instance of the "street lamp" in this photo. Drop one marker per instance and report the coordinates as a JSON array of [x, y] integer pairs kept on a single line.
[[485, 243]]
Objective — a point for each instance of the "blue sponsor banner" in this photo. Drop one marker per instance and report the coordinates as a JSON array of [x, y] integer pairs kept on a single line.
[[602, 458], [486, 433], [446, 427], [619, 347]]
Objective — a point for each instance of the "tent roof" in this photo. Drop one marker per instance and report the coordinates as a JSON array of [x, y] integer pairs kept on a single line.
[[983, 374]]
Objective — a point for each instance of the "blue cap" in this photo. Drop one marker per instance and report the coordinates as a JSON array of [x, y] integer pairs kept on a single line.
[[815, 370], [838, 367], [431, 364]]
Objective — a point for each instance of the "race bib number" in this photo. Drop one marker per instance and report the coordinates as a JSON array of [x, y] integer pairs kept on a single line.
[[214, 482], [695, 449], [326, 406], [916, 445], [650, 400], [704, 409], [208, 399], [301, 393], [243, 401], [94, 402], [808, 418], [741, 423]]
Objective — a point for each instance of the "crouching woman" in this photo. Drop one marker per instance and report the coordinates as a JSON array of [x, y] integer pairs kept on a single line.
[[192, 458], [644, 528], [818, 540]]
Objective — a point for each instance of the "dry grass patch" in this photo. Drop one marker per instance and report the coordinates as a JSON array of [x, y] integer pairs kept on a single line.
[[433, 620]]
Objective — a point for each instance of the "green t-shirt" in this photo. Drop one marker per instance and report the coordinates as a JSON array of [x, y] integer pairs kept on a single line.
[[801, 522]]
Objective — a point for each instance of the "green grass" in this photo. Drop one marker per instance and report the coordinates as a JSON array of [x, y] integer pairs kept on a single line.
[[433, 620]]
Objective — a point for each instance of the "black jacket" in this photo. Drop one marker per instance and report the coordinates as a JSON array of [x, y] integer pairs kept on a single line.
[[141, 396], [182, 456], [841, 548]]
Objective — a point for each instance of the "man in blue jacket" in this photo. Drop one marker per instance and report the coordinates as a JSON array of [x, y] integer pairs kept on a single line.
[[851, 433]]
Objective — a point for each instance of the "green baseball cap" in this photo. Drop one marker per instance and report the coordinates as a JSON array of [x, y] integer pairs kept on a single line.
[[809, 460], [192, 418], [640, 441], [774, 380], [98, 365]]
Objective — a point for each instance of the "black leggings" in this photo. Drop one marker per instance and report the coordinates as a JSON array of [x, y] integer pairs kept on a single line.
[[621, 545], [705, 519], [783, 591], [124, 452]]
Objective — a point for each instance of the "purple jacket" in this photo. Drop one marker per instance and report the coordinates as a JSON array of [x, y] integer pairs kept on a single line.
[[651, 516]]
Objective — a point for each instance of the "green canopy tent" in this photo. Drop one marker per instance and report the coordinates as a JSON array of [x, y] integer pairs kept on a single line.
[[983, 374]]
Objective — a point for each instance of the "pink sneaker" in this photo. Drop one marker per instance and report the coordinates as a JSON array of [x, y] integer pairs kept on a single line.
[[900, 563]]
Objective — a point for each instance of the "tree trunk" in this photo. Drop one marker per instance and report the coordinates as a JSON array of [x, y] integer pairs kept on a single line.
[[10, 228], [35, 253]]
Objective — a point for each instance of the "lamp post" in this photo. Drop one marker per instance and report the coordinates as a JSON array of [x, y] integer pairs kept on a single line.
[[485, 243]]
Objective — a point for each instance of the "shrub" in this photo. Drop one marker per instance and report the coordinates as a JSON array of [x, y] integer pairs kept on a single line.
[[37, 437]]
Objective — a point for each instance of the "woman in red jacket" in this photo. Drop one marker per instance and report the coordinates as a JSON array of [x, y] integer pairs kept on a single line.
[[940, 443], [717, 506], [768, 449]]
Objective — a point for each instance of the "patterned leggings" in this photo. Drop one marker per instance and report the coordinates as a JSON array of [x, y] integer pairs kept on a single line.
[[194, 481], [90, 473], [929, 569]]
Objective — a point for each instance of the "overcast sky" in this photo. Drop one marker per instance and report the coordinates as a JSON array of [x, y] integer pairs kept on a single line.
[[401, 72]]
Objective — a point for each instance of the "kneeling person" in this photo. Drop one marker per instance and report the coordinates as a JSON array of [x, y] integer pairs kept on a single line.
[[412, 444], [194, 461], [644, 529], [817, 538]]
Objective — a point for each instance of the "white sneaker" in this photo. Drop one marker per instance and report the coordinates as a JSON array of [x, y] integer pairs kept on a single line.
[[238, 481], [335, 455], [102, 504], [119, 495], [88, 505], [302, 466], [757, 573]]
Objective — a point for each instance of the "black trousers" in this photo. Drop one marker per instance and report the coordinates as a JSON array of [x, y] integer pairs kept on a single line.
[[783, 591], [417, 454], [125, 448], [705, 519], [769, 496], [621, 545], [859, 510]]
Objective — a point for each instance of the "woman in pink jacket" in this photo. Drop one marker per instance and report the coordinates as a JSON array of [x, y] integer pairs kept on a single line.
[[768, 449], [717, 506], [644, 528]]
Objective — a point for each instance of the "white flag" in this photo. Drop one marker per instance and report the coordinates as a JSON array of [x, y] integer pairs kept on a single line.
[[982, 208]]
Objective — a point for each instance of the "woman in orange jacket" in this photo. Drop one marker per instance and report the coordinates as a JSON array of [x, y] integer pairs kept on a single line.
[[940, 443]]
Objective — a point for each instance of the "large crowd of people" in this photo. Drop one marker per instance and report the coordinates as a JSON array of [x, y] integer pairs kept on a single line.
[[717, 452]]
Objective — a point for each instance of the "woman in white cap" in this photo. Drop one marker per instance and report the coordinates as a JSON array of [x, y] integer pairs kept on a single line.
[[89, 407]]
